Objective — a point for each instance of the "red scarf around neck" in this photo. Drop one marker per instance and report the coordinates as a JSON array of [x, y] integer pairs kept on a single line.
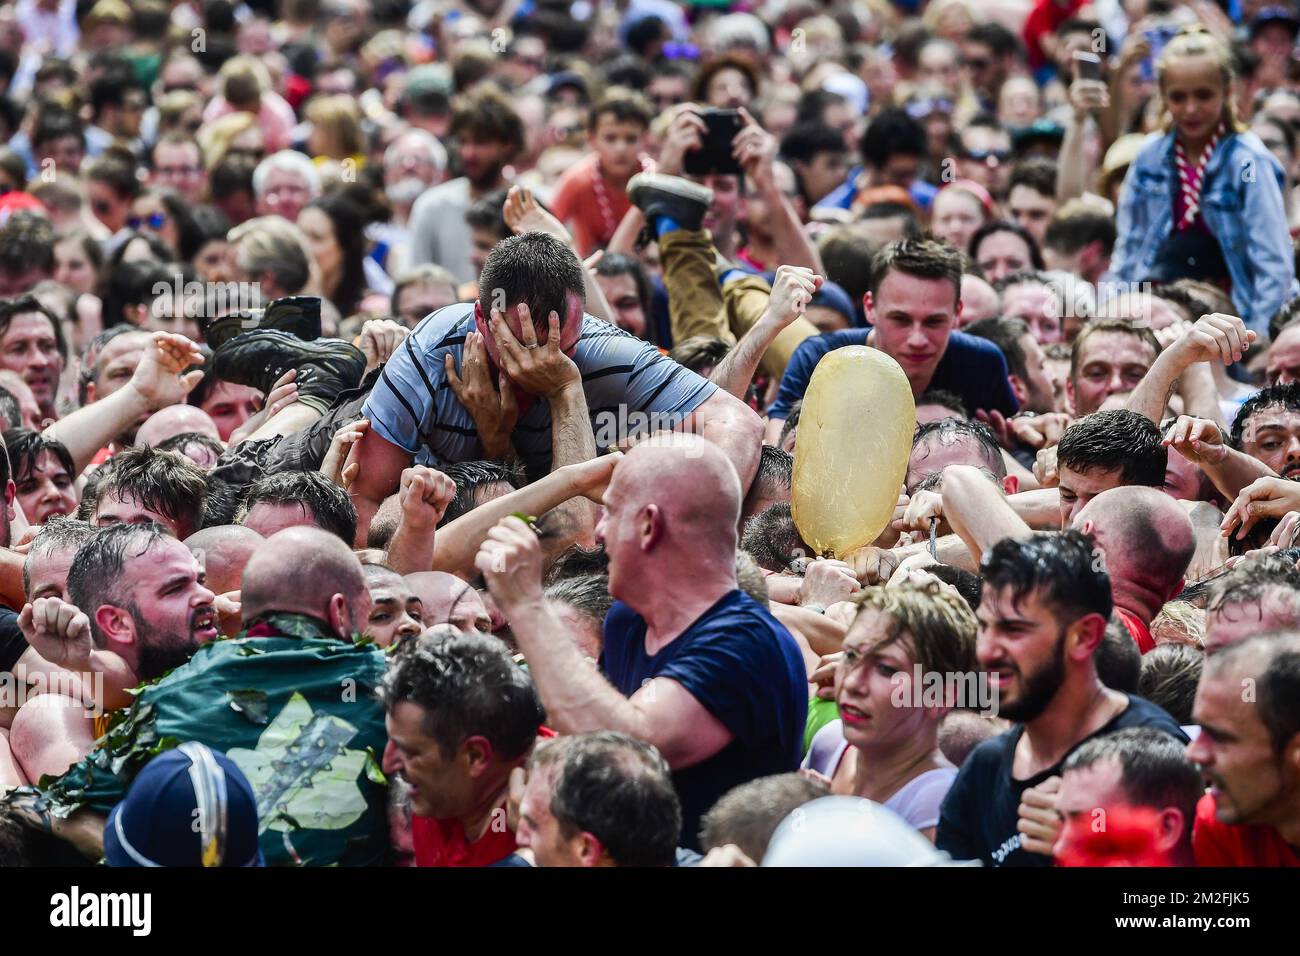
[[1191, 179]]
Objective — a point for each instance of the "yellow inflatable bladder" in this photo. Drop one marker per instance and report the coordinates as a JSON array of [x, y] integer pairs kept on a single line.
[[851, 449]]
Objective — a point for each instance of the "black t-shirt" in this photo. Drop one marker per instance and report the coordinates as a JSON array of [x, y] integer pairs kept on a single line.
[[979, 816], [12, 642]]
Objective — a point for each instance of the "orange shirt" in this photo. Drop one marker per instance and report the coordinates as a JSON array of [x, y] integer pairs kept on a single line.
[[590, 205]]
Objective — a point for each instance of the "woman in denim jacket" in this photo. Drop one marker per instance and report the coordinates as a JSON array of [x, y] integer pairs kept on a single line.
[[1204, 199]]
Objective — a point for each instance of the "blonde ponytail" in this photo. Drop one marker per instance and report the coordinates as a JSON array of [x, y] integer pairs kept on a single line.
[[1194, 40]]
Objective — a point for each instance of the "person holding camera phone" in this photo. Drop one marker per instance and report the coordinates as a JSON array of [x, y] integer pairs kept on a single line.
[[1089, 96], [1203, 200], [692, 204]]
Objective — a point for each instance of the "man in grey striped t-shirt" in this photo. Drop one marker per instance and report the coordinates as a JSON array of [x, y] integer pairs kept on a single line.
[[543, 373]]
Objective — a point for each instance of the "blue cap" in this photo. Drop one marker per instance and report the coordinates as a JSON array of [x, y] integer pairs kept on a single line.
[[1284, 15], [832, 296], [567, 78], [191, 806]]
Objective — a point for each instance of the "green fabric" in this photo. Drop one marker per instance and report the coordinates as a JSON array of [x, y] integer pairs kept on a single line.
[[820, 713], [299, 716], [145, 66]]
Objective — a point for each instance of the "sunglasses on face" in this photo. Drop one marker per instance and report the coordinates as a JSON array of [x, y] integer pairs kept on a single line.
[[154, 221], [977, 64], [920, 109], [984, 155]]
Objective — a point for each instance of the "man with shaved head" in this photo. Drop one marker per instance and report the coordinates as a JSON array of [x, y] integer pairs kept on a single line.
[[1148, 542], [175, 420], [691, 663], [306, 572], [223, 551], [292, 702], [446, 599]]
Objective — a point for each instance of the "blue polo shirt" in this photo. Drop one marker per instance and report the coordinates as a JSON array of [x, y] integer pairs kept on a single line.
[[971, 367], [843, 195], [627, 381]]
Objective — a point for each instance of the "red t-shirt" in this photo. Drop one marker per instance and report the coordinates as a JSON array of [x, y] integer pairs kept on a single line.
[[589, 204], [1140, 633], [442, 842], [1043, 19], [1228, 844], [744, 256]]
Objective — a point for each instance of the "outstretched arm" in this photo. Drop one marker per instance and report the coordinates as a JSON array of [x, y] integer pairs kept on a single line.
[[1214, 337], [159, 380], [83, 829], [425, 496], [576, 696], [734, 427], [792, 289], [977, 511], [625, 235], [1076, 171], [755, 149], [1265, 498], [380, 469], [458, 543], [1201, 442]]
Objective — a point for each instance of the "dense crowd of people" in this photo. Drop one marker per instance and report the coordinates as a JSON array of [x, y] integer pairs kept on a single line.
[[422, 422]]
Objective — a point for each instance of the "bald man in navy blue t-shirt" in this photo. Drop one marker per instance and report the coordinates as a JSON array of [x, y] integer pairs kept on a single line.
[[691, 663]]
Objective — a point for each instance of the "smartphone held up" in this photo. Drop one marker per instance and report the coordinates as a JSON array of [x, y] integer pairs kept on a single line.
[[714, 155]]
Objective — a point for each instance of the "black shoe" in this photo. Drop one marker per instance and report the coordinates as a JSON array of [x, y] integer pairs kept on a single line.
[[673, 197], [326, 367], [296, 314]]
